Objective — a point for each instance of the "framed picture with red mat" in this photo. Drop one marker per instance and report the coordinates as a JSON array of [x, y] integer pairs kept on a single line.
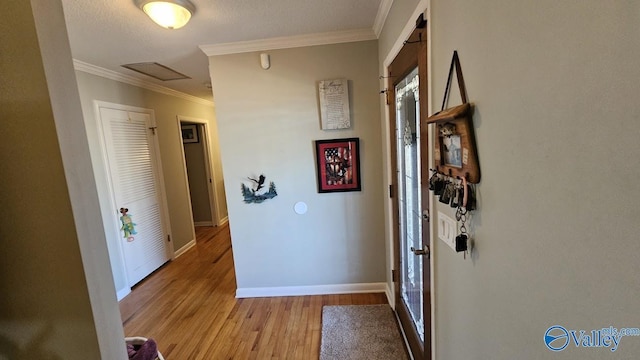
[[338, 165]]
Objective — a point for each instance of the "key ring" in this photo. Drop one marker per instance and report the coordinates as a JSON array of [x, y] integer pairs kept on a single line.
[[461, 212]]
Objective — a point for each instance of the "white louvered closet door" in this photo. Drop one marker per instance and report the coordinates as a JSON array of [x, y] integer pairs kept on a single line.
[[134, 176]]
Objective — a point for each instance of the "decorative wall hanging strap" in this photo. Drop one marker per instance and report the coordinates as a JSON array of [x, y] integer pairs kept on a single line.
[[463, 90]]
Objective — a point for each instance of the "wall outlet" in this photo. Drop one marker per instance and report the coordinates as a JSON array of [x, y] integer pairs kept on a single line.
[[447, 230]]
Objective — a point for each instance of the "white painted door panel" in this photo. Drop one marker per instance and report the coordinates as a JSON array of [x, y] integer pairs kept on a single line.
[[134, 176]]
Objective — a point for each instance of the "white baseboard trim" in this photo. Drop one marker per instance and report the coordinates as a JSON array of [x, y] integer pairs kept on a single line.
[[310, 290], [390, 298], [203, 223], [184, 249], [223, 221], [120, 294]]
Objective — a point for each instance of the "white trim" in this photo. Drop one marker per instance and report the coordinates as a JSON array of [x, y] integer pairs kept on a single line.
[[288, 42], [433, 239], [223, 221], [203, 223], [131, 80], [381, 16], [390, 298], [185, 248], [310, 290], [120, 294]]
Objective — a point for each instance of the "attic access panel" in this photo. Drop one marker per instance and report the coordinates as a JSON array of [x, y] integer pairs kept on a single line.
[[157, 71]]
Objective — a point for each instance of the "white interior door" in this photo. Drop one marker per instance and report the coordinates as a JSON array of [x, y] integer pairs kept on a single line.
[[133, 166]]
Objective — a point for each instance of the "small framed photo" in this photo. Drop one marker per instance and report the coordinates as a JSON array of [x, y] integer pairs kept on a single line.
[[190, 133], [338, 165], [451, 151]]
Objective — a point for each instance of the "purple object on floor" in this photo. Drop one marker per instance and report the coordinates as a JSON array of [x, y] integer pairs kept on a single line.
[[130, 350], [146, 351]]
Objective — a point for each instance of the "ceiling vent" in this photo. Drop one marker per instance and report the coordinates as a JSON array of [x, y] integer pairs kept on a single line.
[[156, 70]]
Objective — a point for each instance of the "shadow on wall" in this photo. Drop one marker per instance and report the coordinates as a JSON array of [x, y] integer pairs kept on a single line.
[[19, 341]]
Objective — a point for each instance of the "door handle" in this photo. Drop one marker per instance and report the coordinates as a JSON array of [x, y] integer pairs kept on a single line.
[[425, 215], [421, 252]]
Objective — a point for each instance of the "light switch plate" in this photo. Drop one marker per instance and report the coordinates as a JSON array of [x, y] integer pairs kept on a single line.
[[447, 230]]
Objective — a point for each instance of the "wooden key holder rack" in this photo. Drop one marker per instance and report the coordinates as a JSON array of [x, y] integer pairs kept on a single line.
[[455, 152]]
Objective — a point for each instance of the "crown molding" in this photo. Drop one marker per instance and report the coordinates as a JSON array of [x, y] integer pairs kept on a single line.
[[127, 79], [288, 42], [381, 16]]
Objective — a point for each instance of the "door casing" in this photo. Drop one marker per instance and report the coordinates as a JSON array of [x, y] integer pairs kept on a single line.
[[113, 221], [211, 174], [413, 54]]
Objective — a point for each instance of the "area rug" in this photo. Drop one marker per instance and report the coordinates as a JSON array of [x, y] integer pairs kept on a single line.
[[354, 332]]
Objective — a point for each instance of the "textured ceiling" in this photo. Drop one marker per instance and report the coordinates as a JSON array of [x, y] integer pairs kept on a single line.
[[109, 33]]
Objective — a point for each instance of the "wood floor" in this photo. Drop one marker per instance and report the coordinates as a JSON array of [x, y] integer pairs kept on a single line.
[[189, 308]]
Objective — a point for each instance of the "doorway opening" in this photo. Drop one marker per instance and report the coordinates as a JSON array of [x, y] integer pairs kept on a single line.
[[196, 155]]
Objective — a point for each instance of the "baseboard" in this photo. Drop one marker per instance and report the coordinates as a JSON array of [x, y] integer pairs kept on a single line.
[[203, 223], [223, 221], [390, 298], [310, 290], [120, 294], [184, 249]]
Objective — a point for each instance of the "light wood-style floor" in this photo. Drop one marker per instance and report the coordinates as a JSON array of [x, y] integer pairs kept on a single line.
[[189, 308]]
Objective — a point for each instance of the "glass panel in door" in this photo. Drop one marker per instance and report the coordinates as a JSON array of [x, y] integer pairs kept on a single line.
[[409, 198]]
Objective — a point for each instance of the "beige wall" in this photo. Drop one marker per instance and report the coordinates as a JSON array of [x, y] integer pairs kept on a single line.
[[268, 121], [554, 84], [58, 300], [400, 12], [166, 109]]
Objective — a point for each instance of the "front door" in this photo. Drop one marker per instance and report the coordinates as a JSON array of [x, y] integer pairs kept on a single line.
[[408, 110]]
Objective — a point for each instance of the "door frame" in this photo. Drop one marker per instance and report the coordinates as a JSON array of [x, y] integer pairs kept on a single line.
[[214, 201], [113, 220], [422, 8], [412, 55]]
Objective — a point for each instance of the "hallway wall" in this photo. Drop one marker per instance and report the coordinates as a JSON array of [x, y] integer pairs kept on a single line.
[[554, 85], [57, 290], [555, 236], [268, 121], [166, 109]]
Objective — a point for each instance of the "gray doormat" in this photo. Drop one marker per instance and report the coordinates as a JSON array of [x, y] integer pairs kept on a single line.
[[354, 332]]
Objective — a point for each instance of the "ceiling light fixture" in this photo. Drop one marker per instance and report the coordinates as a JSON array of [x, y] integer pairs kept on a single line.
[[170, 14]]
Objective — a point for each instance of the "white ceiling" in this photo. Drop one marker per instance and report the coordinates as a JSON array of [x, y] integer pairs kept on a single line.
[[109, 33]]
